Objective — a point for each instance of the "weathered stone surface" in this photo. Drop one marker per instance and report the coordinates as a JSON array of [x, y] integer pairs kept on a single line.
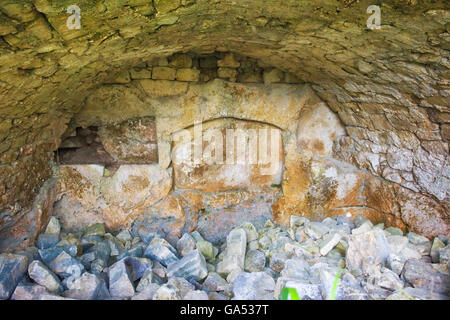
[[87, 287], [43, 276], [45, 241], [196, 295], [234, 257], [225, 162], [120, 281], [12, 269], [166, 292], [191, 267], [89, 197], [26, 291], [422, 275], [371, 243], [133, 141], [65, 265], [253, 286], [255, 261], [186, 244], [214, 282], [147, 293], [384, 103], [53, 226], [161, 251]]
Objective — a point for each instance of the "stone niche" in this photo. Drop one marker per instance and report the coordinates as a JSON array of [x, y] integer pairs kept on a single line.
[[123, 159]]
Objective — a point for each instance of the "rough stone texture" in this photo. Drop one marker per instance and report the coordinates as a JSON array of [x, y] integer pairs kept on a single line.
[[389, 87], [225, 162], [88, 196], [253, 286], [372, 243], [12, 269], [191, 267], [133, 141]]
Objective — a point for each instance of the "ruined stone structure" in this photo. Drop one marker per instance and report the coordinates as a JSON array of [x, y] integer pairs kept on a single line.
[[89, 116]]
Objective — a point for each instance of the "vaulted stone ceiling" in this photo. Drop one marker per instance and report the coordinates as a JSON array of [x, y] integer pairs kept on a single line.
[[390, 87]]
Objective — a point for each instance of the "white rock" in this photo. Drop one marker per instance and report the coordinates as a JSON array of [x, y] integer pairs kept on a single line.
[[329, 242], [196, 295], [166, 292], [371, 243], [234, 257], [253, 286]]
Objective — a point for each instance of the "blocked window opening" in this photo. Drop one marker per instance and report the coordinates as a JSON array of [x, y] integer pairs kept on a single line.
[[129, 142]]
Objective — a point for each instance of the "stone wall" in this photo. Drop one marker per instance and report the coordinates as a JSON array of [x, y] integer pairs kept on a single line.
[[389, 87]]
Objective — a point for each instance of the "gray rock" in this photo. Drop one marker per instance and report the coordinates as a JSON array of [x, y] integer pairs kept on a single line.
[[363, 227], [28, 291], [375, 292], [124, 236], [371, 243], [278, 260], [316, 230], [214, 282], [255, 261], [295, 269], [435, 249], [86, 287], [53, 226], [329, 242], [48, 296], [43, 276], [196, 295], [297, 221], [397, 243], [306, 291], [135, 251], [444, 255], [115, 246], [12, 270], [392, 231], [343, 220], [264, 243], [388, 280], [65, 265], [416, 294], [422, 275], [120, 282], [234, 256], [345, 290], [47, 240], [159, 270], [253, 286], [166, 292], [186, 244], [250, 231], [161, 251], [148, 235], [207, 250], [147, 293], [191, 267], [137, 267], [217, 296], [146, 280], [182, 285], [48, 255], [419, 243], [196, 235]]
